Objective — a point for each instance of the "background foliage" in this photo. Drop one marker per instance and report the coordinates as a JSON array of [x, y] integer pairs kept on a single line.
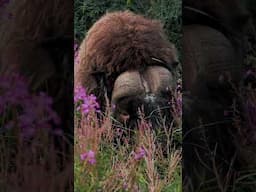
[[168, 11]]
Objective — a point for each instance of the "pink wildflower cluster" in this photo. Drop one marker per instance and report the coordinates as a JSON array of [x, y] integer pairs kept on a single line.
[[89, 157], [139, 154], [85, 103], [21, 109]]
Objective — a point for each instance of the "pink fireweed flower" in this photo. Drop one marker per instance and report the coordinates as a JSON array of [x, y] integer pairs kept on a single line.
[[79, 94], [119, 132], [141, 153], [125, 186], [85, 103], [89, 157], [83, 156], [25, 110]]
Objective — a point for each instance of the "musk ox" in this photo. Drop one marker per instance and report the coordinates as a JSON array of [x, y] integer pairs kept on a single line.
[[36, 40], [128, 59], [213, 49]]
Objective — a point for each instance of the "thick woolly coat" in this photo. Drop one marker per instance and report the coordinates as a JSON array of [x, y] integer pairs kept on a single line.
[[118, 42]]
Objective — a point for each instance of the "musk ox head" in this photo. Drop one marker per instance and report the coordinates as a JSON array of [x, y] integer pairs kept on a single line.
[[127, 59]]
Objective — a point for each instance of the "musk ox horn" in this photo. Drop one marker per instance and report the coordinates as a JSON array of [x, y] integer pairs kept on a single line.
[[127, 84], [132, 83], [158, 78]]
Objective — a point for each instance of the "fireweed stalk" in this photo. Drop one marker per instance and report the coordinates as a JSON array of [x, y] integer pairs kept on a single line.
[[85, 108], [103, 164], [28, 126]]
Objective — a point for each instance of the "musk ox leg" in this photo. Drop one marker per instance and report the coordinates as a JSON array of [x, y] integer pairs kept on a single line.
[[210, 72]]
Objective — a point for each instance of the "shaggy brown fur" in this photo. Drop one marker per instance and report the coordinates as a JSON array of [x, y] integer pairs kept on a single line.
[[118, 42]]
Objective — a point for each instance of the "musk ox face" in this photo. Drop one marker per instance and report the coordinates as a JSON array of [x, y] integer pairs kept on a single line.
[[127, 58], [147, 91]]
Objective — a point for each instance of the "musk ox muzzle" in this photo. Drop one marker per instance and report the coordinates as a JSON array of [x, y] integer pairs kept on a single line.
[[147, 93]]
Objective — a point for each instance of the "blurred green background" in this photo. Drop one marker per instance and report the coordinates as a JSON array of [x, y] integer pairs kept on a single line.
[[167, 11]]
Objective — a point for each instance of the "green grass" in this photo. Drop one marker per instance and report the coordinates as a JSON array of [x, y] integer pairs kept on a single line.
[[116, 167]]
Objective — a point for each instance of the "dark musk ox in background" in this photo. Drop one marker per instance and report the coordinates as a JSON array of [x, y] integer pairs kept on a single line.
[[36, 40], [214, 39], [126, 59]]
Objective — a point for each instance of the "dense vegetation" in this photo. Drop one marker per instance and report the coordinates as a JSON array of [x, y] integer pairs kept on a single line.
[[101, 163], [168, 11]]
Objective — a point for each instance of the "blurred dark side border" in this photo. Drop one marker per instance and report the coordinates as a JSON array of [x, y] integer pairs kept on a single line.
[[36, 95], [219, 106]]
